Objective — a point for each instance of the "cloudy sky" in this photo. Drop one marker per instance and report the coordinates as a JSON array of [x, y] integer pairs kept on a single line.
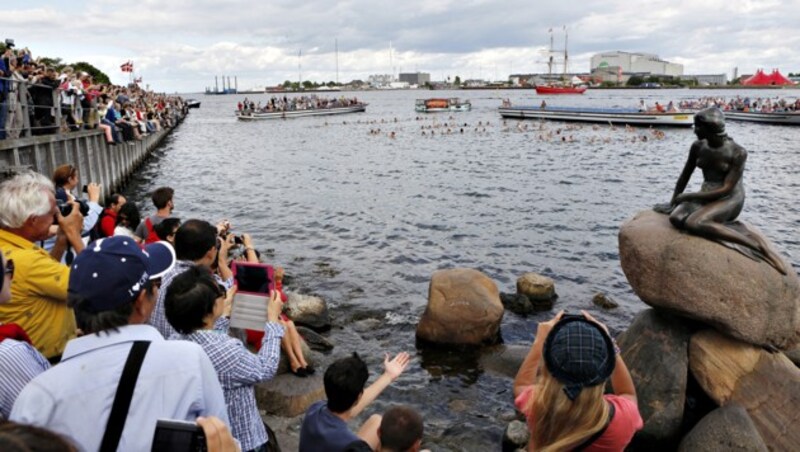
[[179, 45]]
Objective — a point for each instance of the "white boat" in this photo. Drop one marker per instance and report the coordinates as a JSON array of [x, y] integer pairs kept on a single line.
[[247, 115], [441, 104], [620, 116], [785, 118], [192, 103]]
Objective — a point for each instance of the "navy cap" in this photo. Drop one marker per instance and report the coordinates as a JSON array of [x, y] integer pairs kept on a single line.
[[579, 354], [111, 272]]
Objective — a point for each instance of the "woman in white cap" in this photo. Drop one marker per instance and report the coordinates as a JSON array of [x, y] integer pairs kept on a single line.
[[560, 388]]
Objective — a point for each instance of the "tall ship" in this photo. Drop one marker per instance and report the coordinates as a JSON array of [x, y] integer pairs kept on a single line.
[[565, 86]]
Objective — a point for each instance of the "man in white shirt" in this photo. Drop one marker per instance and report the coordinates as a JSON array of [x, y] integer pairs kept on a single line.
[[113, 286]]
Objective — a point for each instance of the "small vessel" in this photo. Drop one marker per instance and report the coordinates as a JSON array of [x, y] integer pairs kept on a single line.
[[565, 86], [250, 115], [785, 118], [619, 116], [439, 104], [555, 89], [192, 103]]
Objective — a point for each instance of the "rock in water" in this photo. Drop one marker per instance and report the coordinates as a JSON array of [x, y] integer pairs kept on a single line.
[[655, 349], [286, 395], [308, 310], [725, 429], [536, 287], [766, 384], [464, 308], [517, 303], [516, 436], [602, 300], [704, 280], [314, 340]]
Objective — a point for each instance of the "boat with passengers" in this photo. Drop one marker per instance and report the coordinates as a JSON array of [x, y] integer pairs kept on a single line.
[[437, 104], [620, 116], [296, 107]]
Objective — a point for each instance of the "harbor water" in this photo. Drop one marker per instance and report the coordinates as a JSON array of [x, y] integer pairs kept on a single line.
[[363, 219]]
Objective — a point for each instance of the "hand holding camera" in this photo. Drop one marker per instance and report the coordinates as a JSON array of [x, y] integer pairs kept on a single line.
[[92, 191], [275, 306]]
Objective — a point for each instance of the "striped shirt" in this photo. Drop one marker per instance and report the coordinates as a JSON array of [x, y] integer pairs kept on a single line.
[[19, 363], [239, 370], [158, 319]]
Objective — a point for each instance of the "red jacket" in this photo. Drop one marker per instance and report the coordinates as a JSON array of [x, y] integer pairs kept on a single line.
[[108, 222]]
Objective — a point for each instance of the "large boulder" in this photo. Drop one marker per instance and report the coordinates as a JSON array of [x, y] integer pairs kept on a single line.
[[463, 309], [655, 349], [703, 280], [288, 396], [728, 428], [766, 384], [504, 360], [308, 310], [536, 287]]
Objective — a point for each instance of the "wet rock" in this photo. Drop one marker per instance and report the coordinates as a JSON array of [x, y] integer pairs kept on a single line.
[[308, 310], [517, 303], [366, 325], [311, 358], [504, 359], [288, 396], [728, 428], [516, 436], [766, 384], [704, 280], [602, 300], [655, 349], [314, 340], [536, 287], [463, 308]]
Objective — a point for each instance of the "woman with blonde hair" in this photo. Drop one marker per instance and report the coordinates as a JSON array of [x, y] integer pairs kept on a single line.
[[560, 388]]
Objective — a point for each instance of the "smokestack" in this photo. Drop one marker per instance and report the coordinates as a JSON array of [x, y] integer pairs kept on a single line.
[[216, 85]]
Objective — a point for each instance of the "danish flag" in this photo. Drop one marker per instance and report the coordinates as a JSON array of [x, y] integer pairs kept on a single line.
[[127, 67]]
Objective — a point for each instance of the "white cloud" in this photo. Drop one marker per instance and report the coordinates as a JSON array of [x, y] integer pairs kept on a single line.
[[182, 44]]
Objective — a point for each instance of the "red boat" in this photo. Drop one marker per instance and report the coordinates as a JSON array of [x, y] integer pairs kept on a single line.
[[550, 89]]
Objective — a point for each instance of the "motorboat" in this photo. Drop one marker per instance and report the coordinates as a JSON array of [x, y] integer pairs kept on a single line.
[[439, 104]]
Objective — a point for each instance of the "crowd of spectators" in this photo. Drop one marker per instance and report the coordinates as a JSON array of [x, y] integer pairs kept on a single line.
[[124, 113], [744, 104], [278, 104], [92, 306]]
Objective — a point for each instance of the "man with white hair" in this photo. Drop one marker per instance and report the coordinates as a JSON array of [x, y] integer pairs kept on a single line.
[[39, 295]]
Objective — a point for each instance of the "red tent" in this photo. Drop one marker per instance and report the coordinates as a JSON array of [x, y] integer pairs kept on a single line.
[[779, 79], [760, 78]]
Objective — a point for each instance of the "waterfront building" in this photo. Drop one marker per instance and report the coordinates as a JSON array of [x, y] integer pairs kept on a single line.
[[707, 79], [636, 63], [380, 80], [415, 78]]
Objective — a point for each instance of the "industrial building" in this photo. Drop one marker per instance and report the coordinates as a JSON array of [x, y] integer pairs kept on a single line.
[[639, 63], [415, 78], [707, 79]]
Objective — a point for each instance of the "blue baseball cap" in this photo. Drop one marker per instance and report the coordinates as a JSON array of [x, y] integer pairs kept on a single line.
[[579, 354], [112, 272]]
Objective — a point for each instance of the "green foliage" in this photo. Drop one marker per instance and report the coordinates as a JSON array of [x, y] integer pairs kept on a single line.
[[98, 76], [307, 84], [287, 84], [635, 80], [608, 84], [457, 81]]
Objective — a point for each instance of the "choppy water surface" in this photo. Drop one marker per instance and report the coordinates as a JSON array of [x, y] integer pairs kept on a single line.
[[364, 220]]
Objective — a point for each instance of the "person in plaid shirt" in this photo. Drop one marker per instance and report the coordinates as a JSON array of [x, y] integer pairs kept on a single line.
[[195, 305]]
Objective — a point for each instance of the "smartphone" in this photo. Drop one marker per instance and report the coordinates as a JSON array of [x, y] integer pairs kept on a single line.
[[86, 189], [178, 436], [253, 278]]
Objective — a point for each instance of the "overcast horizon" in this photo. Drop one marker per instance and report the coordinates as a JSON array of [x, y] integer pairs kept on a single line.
[[181, 45]]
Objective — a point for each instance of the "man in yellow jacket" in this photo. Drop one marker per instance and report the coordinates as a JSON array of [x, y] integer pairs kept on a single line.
[[39, 294]]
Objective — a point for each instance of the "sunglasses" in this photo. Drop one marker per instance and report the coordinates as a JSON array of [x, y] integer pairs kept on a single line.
[[9, 268]]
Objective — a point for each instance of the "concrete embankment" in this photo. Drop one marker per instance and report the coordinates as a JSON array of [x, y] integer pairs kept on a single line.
[[110, 166]]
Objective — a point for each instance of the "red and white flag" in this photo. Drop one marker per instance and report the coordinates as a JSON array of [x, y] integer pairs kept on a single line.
[[137, 80], [127, 67]]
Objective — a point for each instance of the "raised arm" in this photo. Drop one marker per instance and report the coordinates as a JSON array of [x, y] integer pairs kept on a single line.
[[393, 369], [526, 375]]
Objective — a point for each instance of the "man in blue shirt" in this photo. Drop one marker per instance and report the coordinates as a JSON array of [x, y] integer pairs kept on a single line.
[[113, 285], [325, 424]]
